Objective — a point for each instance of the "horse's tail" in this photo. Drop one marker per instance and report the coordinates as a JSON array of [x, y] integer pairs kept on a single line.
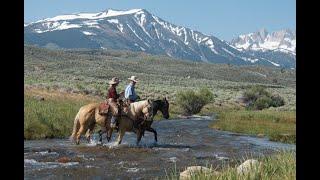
[[76, 126]]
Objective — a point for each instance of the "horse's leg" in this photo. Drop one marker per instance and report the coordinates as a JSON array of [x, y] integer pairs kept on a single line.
[[139, 136], [120, 136], [101, 132], [150, 129], [100, 135], [81, 131], [109, 134], [89, 132]]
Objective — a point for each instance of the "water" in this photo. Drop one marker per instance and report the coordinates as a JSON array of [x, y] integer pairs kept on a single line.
[[182, 142]]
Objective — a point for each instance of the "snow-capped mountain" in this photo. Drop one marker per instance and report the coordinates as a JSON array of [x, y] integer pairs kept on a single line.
[[136, 30], [278, 46]]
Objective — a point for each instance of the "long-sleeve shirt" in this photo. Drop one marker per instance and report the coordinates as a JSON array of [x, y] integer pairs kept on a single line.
[[112, 93], [130, 93]]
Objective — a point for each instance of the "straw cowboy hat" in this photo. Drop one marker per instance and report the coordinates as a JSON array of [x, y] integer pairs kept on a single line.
[[114, 80], [133, 78]]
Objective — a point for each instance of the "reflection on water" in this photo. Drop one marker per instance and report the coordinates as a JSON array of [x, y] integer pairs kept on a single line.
[[181, 142]]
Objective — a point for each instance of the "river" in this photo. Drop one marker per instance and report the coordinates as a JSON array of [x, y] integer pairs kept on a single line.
[[181, 143]]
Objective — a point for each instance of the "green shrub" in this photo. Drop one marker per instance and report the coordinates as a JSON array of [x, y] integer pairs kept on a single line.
[[277, 101], [191, 102], [254, 93], [262, 103], [257, 97]]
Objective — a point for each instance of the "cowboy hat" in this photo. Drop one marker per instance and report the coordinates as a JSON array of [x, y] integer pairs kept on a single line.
[[133, 78], [114, 80]]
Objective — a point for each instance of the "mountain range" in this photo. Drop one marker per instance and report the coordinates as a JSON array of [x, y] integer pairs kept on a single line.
[[139, 30]]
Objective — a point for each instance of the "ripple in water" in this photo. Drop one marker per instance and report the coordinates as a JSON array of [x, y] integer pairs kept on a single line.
[[43, 165]]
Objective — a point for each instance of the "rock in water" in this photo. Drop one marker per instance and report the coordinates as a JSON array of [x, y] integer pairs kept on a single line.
[[196, 169], [249, 165], [64, 160]]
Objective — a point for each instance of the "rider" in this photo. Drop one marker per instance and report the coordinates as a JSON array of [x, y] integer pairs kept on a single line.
[[112, 98], [131, 96], [130, 93]]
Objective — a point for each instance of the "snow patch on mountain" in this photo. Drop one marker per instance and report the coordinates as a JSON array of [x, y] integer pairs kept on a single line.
[[115, 21], [209, 42], [274, 63], [252, 60], [53, 26], [226, 50], [100, 15], [88, 33], [263, 41]]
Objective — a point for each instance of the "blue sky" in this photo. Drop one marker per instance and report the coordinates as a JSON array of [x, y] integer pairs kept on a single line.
[[224, 19]]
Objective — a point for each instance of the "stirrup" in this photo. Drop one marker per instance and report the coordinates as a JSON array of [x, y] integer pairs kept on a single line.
[[113, 125]]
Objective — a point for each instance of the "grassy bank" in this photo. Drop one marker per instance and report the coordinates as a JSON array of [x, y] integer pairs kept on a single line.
[[277, 125], [281, 166], [53, 116]]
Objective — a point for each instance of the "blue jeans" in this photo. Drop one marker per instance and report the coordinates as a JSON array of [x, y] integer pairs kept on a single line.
[[113, 120]]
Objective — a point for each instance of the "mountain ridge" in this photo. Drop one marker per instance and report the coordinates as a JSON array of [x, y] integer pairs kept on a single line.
[[136, 30]]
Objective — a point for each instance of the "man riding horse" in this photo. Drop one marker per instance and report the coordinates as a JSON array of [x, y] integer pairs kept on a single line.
[[112, 98], [131, 97], [137, 118], [130, 93]]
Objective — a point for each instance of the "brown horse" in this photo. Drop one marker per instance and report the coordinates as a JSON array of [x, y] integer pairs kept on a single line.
[[88, 116]]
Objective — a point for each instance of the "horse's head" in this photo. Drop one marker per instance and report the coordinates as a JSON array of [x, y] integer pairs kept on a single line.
[[147, 110], [164, 108]]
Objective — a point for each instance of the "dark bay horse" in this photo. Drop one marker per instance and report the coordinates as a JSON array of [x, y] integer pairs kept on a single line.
[[161, 105]]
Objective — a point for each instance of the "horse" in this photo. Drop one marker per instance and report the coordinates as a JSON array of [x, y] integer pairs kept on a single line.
[[136, 111], [157, 105], [88, 116]]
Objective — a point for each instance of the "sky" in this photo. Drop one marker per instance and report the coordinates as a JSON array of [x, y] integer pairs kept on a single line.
[[224, 19]]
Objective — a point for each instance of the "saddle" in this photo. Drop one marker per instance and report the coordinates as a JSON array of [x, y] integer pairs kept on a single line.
[[104, 108], [125, 106]]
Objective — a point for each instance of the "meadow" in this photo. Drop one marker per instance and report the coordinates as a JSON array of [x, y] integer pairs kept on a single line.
[[76, 77], [59, 82], [276, 125]]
